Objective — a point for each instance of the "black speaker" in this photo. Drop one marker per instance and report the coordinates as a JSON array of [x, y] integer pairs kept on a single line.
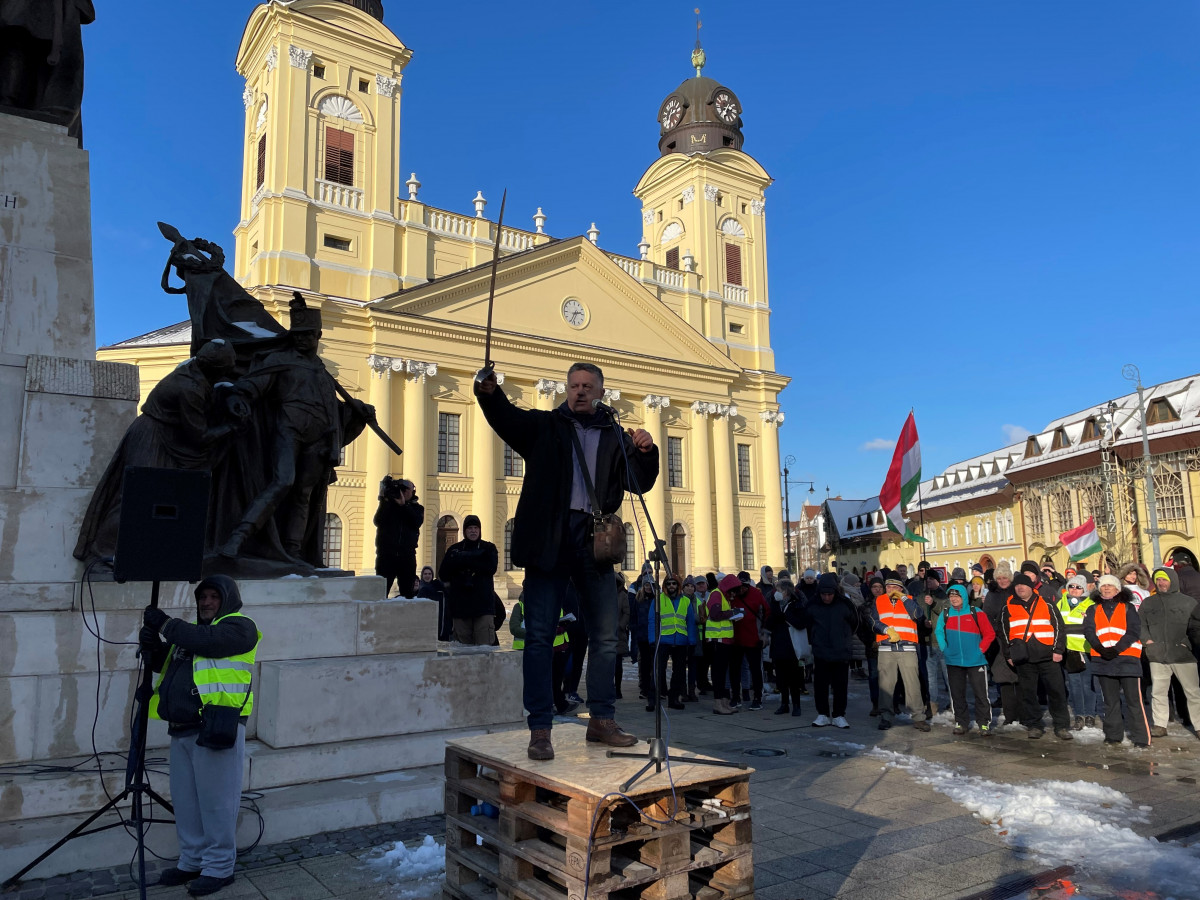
[[163, 517]]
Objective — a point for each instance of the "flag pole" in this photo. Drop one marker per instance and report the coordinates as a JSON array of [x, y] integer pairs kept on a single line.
[[920, 502]]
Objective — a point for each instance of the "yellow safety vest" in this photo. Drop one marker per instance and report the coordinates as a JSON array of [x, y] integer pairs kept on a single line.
[[672, 620], [718, 629], [519, 643], [219, 682], [1074, 617]]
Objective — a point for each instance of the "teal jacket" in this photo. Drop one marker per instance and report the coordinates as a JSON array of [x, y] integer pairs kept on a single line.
[[964, 634]]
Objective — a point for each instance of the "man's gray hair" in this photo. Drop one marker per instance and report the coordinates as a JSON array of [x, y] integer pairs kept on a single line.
[[586, 367]]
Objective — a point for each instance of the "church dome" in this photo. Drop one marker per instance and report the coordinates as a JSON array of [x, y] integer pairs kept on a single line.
[[370, 7], [699, 115]]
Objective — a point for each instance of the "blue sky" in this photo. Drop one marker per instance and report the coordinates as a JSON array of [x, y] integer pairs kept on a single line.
[[980, 210]]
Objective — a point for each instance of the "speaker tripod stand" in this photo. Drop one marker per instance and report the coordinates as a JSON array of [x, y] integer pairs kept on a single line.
[[137, 786]]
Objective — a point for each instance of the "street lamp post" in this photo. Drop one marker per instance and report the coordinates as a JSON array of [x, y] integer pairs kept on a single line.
[[1132, 374], [788, 462]]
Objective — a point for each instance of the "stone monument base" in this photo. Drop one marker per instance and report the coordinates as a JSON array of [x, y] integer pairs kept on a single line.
[[353, 706]]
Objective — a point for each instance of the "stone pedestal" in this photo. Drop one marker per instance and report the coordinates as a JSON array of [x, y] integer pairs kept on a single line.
[[62, 413]]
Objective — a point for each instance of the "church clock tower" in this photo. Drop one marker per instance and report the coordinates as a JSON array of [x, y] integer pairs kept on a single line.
[[320, 182], [703, 210]]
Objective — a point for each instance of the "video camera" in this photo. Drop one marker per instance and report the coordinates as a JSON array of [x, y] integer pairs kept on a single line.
[[392, 488]]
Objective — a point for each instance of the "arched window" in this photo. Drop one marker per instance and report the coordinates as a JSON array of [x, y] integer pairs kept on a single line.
[[508, 530], [630, 562], [332, 542], [943, 537], [747, 549], [447, 534], [1008, 525], [1168, 494], [678, 549], [967, 533], [954, 535]]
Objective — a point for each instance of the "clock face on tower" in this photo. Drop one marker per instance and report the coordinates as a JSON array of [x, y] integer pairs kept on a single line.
[[726, 107], [672, 113], [574, 313]]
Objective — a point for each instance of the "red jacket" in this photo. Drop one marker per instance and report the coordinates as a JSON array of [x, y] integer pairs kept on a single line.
[[745, 631]]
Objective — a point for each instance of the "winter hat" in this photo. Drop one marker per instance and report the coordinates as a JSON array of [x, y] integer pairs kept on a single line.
[[977, 568], [1069, 571], [893, 583], [958, 575], [1022, 578], [879, 581], [1030, 566], [1003, 568], [1165, 573], [471, 520], [810, 573], [827, 583], [1111, 580], [1077, 581], [978, 578], [783, 575], [960, 590]]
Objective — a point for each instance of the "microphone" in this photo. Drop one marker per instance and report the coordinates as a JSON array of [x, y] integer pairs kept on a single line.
[[601, 406]]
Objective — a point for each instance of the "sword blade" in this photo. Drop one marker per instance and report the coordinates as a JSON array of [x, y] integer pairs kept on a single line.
[[487, 340]]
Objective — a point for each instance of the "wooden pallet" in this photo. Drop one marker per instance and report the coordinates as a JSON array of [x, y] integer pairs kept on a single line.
[[561, 827]]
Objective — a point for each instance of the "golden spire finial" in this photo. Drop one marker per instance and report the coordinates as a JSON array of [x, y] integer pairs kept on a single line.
[[698, 53]]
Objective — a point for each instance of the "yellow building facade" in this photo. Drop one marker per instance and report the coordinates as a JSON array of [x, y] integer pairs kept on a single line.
[[681, 331]]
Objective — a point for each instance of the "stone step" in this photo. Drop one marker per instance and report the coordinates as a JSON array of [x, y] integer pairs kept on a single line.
[[288, 813], [43, 794]]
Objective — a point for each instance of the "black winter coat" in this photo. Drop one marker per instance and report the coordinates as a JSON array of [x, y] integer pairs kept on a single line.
[[1119, 666], [1170, 625], [178, 702], [1189, 581], [778, 620], [397, 529], [1038, 652], [831, 627], [467, 570], [543, 439]]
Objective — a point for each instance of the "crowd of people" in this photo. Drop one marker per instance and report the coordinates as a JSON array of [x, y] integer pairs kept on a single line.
[[995, 647]]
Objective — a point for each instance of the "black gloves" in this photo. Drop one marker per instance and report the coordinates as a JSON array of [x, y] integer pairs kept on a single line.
[[155, 618], [1108, 653], [148, 638]]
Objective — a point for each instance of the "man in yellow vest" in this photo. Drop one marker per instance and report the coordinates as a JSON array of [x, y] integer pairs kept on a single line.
[[204, 694]]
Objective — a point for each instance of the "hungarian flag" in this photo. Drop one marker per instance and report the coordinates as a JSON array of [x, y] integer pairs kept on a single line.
[[904, 474], [1081, 542]]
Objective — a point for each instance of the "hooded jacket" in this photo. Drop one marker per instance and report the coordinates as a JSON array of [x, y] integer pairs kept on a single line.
[[684, 603], [178, 702], [467, 570], [543, 439], [1038, 652], [1170, 623], [786, 613], [831, 626], [1119, 666], [964, 634]]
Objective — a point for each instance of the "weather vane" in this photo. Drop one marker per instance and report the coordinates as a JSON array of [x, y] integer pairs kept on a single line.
[[698, 53]]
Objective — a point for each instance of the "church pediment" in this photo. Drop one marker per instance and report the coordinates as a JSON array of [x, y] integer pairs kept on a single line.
[[567, 292]]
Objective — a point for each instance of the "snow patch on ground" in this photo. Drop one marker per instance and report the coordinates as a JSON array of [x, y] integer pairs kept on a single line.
[[845, 745], [1066, 822], [416, 874]]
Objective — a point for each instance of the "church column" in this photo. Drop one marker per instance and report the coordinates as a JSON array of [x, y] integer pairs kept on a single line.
[[379, 457], [702, 490], [656, 497], [416, 439], [483, 472], [728, 557], [773, 554], [548, 391]]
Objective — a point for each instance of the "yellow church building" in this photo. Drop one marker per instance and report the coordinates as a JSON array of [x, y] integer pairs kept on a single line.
[[682, 331]]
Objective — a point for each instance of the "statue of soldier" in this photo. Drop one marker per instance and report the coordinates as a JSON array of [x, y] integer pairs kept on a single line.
[[41, 58], [309, 426]]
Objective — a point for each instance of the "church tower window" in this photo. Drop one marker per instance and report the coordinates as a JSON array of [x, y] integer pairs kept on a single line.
[[733, 264], [339, 156], [260, 174], [673, 258]]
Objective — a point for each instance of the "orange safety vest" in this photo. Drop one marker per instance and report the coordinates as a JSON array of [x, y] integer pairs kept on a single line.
[[894, 615], [1040, 629], [1109, 631]]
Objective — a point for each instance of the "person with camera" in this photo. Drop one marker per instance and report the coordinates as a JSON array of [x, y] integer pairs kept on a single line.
[[467, 570], [398, 522], [204, 694], [572, 455]]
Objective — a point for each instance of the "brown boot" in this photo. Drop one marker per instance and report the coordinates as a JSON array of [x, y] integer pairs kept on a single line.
[[539, 744], [607, 731]]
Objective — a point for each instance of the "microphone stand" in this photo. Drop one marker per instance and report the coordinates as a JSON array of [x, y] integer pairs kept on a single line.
[[659, 753]]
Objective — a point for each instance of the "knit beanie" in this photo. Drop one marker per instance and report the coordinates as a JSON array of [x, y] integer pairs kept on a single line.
[[1022, 578], [1077, 581], [1003, 568], [1030, 566]]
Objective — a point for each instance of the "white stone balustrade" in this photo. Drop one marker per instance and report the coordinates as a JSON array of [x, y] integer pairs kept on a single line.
[[449, 223], [632, 266], [735, 293], [668, 277], [343, 195], [516, 241]]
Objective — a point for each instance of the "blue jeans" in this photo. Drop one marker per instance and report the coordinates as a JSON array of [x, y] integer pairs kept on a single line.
[[545, 593], [1085, 698], [939, 678]]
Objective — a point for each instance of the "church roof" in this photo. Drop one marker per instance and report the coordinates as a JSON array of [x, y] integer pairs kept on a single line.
[[179, 333]]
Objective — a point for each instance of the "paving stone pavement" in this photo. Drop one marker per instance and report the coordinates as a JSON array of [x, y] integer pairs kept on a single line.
[[829, 821]]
